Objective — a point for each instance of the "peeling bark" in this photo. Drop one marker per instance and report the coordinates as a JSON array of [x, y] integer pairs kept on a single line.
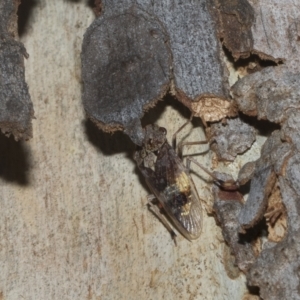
[[235, 19], [273, 94], [196, 66], [276, 269], [126, 68], [276, 31], [230, 139], [227, 207], [269, 30], [268, 94]]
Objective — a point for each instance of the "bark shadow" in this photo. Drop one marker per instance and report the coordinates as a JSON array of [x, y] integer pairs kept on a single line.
[[108, 143], [154, 113], [264, 127], [14, 161], [24, 14], [90, 3], [119, 142]]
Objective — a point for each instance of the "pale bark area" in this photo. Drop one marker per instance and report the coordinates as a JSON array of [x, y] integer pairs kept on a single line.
[[276, 31], [73, 222]]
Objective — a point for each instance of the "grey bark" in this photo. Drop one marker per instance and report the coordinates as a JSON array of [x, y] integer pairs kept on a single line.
[[16, 109], [73, 221]]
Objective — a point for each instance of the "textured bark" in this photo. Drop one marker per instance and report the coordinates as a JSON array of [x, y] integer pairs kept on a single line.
[[227, 207], [73, 223], [198, 73], [276, 31], [235, 19], [269, 94], [230, 139], [126, 64], [16, 110], [273, 94], [132, 50]]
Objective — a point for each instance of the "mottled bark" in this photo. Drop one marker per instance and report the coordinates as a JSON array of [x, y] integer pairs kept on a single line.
[[16, 109]]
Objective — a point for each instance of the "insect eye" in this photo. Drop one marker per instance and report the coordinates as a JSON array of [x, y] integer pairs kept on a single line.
[[163, 130]]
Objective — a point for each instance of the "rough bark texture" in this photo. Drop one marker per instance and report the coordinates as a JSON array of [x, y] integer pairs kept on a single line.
[[227, 207], [126, 64], [196, 63], [235, 19], [276, 31], [132, 77], [198, 73], [16, 110], [73, 223], [230, 139], [269, 94], [273, 94], [283, 159]]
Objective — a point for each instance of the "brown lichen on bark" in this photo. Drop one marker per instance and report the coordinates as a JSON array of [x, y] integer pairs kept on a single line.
[[276, 217], [234, 20], [16, 110], [211, 108]]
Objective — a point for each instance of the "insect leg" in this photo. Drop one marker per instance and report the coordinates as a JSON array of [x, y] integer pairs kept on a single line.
[[229, 185], [273, 215], [156, 211], [188, 165], [181, 145], [180, 128]]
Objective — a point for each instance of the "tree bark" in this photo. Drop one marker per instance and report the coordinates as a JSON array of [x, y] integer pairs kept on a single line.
[[74, 221]]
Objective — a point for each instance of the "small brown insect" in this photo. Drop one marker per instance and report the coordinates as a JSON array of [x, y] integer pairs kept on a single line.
[[170, 182]]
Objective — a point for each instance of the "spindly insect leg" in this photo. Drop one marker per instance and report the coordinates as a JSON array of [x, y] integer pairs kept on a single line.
[[181, 145], [188, 165], [178, 130], [229, 185], [156, 211]]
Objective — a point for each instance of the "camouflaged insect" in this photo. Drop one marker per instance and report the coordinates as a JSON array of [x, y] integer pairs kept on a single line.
[[170, 181]]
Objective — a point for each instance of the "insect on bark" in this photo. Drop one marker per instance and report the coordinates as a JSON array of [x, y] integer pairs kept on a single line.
[[170, 182]]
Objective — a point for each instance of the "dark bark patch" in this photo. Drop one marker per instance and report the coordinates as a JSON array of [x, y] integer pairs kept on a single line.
[[126, 65], [16, 109]]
